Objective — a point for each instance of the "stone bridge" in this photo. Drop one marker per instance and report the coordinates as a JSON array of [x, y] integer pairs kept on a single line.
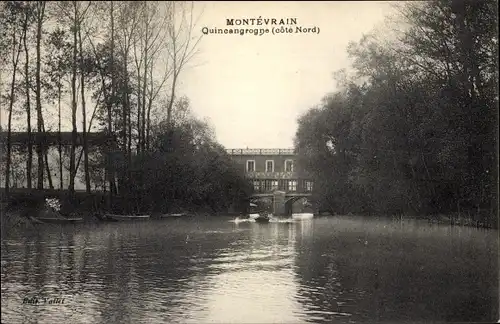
[[282, 202]]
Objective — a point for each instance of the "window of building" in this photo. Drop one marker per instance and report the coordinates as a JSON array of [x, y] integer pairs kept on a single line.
[[267, 185], [256, 185], [292, 185], [308, 185], [250, 165], [269, 166], [289, 166], [270, 185]]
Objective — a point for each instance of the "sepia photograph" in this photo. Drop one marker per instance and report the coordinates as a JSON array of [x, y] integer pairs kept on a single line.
[[249, 162]]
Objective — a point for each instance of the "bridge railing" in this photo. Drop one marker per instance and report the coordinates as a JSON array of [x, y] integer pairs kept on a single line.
[[283, 151]]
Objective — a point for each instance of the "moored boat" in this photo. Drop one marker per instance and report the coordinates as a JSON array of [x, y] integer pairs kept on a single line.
[[302, 216], [173, 215], [115, 217], [56, 220]]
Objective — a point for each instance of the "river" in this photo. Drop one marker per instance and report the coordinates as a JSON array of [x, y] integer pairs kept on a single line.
[[336, 269]]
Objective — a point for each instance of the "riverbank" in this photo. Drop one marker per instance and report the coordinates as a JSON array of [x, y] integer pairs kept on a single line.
[[452, 219], [22, 217], [461, 220], [25, 218]]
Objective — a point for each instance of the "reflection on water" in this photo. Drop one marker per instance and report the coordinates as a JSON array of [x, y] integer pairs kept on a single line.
[[323, 270]]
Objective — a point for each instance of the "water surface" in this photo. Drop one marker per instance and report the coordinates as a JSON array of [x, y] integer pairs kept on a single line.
[[342, 269]]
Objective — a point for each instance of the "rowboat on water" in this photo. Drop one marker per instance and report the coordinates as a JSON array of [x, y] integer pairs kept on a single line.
[[254, 211], [118, 218], [262, 219], [56, 220]]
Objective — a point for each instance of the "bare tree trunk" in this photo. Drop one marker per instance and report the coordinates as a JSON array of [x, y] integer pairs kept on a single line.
[[29, 161], [150, 104], [181, 53], [124, 121], [40, 146], [148, 124], [171, 101], [84, 116], [129, 137], [125, 127], [46, 163], [61, 184], [15, 60], [47, 168], [142, 134], [111, 175], [72, 171], [143, 127], [129, 130], [138, 67]]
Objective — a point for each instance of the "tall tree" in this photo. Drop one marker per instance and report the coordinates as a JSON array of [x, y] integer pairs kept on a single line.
[[29, 162], [59, 50], [71, 10], [13, 18], [84, 110], [182, 45], [40, 17]]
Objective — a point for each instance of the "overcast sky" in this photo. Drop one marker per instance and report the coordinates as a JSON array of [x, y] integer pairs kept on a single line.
[[253, 88]]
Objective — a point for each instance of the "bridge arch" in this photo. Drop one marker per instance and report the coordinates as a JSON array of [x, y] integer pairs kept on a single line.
[[290, 201]]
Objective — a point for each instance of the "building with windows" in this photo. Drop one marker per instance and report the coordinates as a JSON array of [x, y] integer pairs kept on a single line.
[[273, 170]]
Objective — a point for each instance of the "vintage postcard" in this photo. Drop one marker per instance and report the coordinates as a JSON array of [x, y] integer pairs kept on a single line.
[[249, 162]]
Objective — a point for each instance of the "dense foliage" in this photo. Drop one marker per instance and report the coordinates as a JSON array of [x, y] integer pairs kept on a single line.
[[185, 168], [414, 129]]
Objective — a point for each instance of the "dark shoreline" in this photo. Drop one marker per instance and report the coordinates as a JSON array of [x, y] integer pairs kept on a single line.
[[19, 218]]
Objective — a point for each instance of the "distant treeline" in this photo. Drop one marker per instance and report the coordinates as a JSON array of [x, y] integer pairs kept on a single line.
[[413, 128], [111, 67]]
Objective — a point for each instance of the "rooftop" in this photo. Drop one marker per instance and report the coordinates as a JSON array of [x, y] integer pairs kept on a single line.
[[52, 138]]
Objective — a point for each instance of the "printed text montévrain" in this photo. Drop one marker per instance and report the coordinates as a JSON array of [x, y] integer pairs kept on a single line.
[[260, 27]]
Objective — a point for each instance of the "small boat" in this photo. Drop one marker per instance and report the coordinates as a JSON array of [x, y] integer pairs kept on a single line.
[[253, 216], [55, 220], [115, 217], [302, 216], [238, 220], [264, 217], [254, 212], [173, 215], [35, 220]]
